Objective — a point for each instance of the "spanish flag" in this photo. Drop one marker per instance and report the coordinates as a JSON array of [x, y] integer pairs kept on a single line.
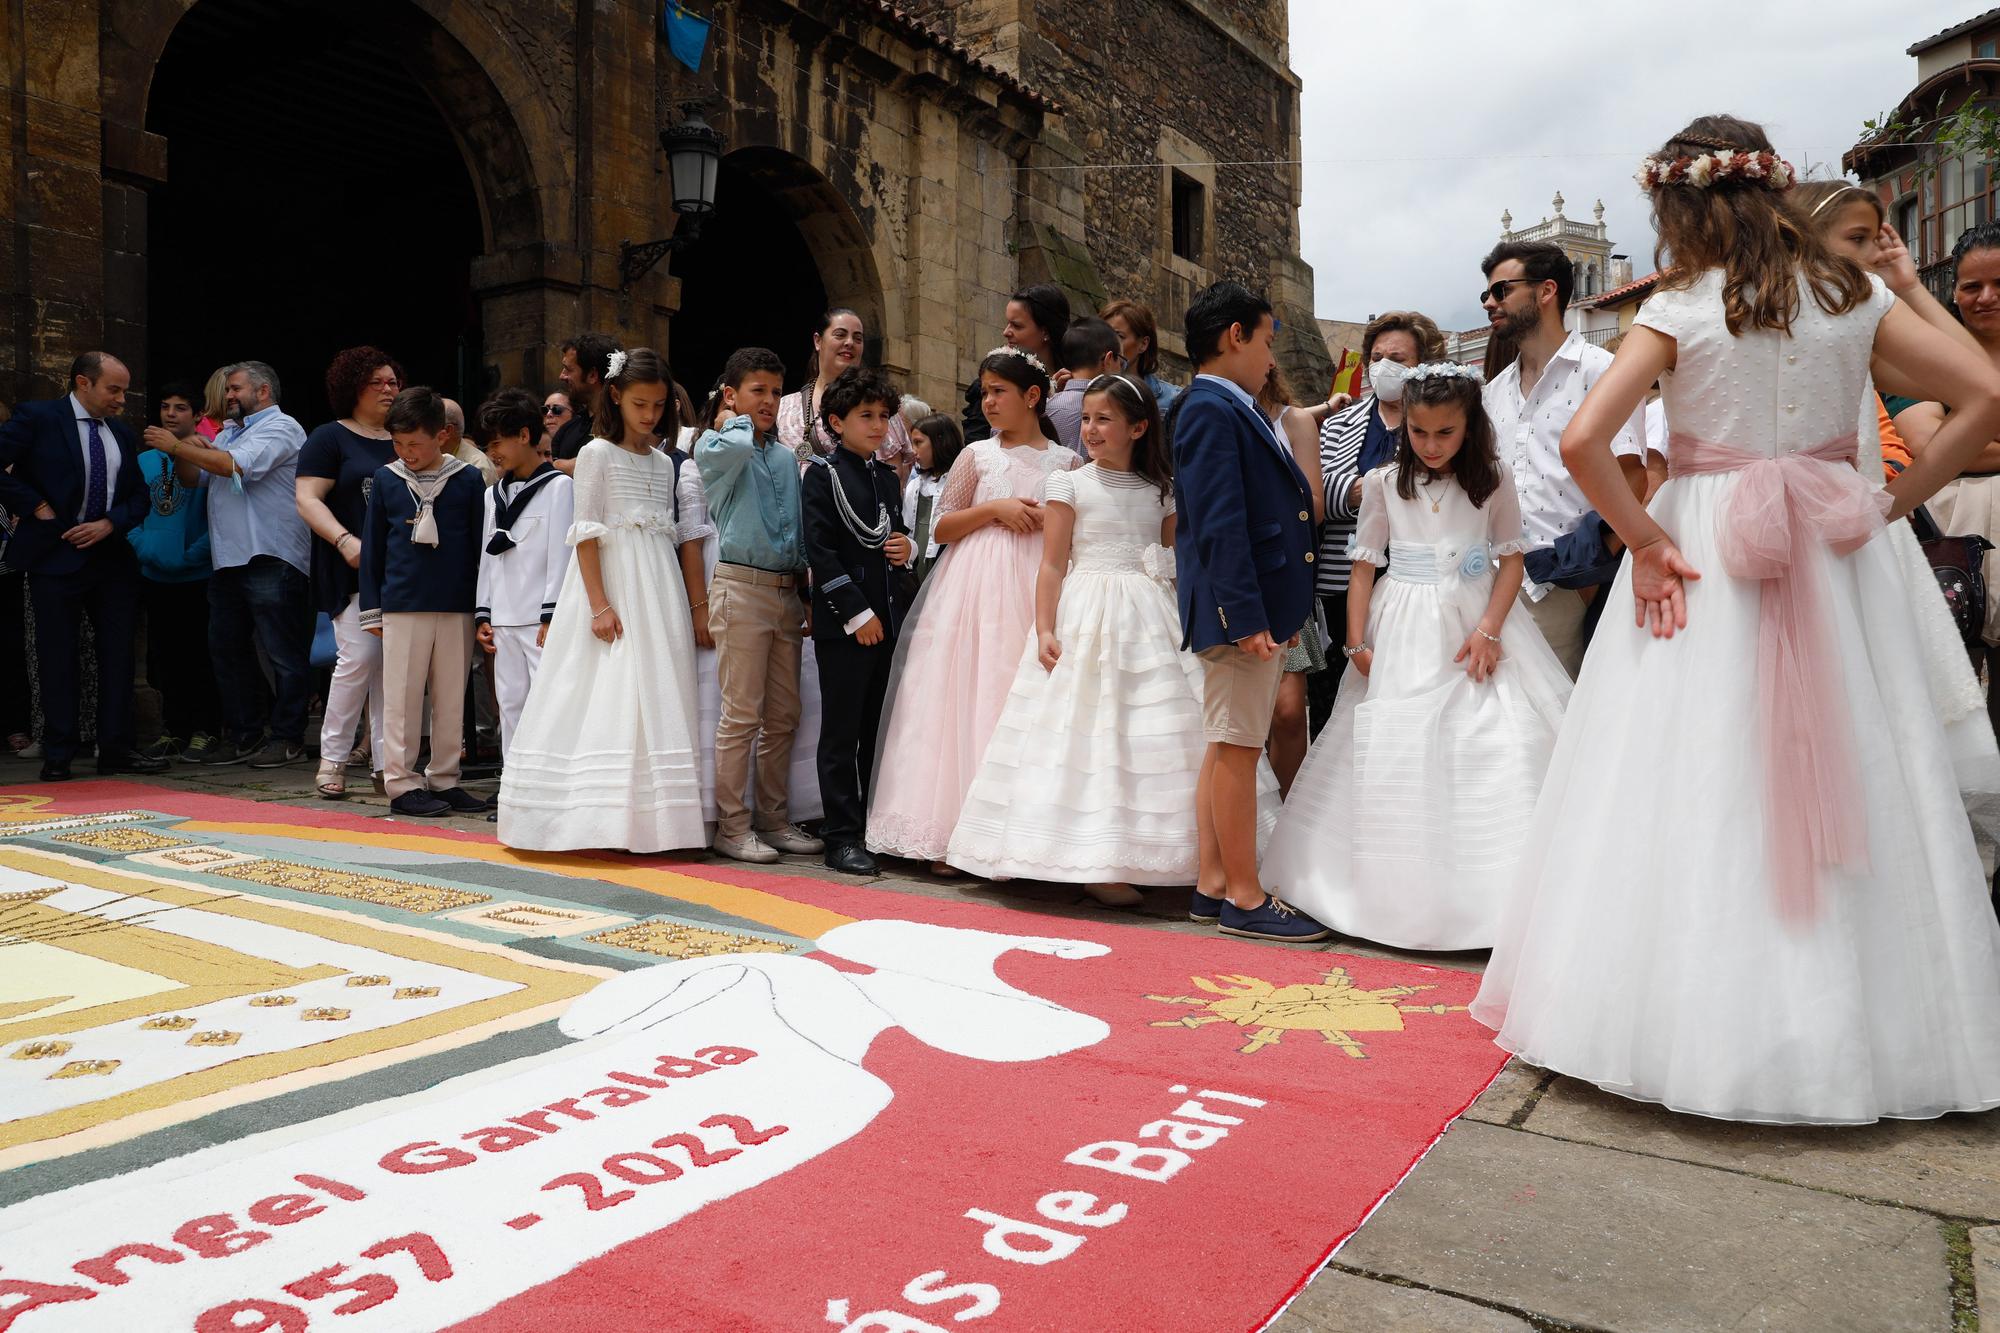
[[1349, 375]]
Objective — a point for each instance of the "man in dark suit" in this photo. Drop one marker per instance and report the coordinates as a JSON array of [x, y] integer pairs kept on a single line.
[[74, 479], [1246, 564], [852, 510]]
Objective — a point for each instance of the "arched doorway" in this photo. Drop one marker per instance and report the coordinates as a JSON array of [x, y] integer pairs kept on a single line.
[[316, 198], [781, 247]]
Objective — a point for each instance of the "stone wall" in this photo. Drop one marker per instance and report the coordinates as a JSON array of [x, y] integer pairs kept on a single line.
[[1144, 86]]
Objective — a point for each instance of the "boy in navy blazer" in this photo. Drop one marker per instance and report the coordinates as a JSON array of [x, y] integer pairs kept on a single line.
[[76, 487], [1245, 553]]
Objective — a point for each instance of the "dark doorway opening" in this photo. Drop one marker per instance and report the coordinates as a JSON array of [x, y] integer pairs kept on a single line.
[[750, 281], [316, 200]]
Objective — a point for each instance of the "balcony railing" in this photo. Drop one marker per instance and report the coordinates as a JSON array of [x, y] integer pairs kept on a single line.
[[1938, 279]]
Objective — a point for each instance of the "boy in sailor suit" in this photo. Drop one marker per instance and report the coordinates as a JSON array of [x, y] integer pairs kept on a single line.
[[524, 550]]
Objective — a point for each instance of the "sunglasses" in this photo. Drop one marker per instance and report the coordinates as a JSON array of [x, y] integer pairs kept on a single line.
[[555, 410], [1498, 291]]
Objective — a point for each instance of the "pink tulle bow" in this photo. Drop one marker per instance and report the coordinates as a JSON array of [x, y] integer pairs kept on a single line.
[[1813, 800]]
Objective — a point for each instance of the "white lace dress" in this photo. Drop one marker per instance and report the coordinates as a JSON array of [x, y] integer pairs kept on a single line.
[[605, 754], [1405, 823], [1090, 774], [1652, 945]]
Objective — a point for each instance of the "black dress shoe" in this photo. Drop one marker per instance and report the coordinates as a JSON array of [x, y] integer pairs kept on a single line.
[[852, 859], [130, 761], [55, 770]]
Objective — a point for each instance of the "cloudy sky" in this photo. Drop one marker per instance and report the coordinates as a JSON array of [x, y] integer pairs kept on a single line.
[[1424, 120]]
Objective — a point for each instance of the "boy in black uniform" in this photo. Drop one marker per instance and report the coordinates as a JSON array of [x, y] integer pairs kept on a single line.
[[853, 519]]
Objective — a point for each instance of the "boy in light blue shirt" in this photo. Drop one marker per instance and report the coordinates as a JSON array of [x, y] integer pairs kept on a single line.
[[756, 609]]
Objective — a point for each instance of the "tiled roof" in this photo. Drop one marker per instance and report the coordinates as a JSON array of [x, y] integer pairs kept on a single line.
[[1954, 30], [928, 32], [1633, 288]]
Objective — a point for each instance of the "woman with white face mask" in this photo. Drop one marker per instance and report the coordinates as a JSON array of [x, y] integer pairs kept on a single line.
[[1353, 440]]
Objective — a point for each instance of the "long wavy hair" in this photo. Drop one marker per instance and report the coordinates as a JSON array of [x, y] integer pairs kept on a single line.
[[1765, 251], [1477, 463]]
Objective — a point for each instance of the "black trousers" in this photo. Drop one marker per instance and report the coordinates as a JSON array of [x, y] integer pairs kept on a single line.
[[106, 592], [853, 681], [15, 699], [177, 660]]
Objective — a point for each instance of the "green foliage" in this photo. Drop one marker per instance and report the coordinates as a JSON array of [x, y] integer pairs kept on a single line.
[[1972, 132]]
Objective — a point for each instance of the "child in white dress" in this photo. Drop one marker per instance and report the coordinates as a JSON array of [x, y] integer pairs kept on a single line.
[[605, 752], [1405, 823], [1750, 889], [1090, 775]]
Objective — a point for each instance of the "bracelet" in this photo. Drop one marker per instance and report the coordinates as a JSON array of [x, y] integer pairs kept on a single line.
[[1356, 650], [344, 538], [702, 602], [599, 615], [1490, 638]]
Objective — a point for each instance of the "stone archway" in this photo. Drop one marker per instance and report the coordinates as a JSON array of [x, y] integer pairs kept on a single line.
[[783, 246], [392, 193]]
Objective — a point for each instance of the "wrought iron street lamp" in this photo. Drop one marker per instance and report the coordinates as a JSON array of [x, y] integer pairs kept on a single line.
[[694, 156]]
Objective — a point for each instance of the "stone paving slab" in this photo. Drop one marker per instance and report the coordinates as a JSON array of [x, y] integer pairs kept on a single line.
[[1616, 1240], [1986, 1274], [1518, 1086], [1950, 1165], [1338, 1302]]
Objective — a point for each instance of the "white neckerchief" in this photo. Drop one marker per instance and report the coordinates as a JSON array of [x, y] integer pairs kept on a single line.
[[424, 487]]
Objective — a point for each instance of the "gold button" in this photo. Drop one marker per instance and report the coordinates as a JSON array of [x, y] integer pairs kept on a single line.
[[1309, 557], [1305, 516]]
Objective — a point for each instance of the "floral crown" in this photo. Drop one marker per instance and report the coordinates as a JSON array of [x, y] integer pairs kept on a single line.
[[614, 365], [1724, 164], [1444, 370], [1010, 350]]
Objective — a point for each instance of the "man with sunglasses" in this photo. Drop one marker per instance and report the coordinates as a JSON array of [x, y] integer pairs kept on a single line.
[[1574, 555]]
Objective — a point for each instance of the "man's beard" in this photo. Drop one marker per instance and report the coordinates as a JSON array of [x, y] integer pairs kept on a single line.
[[1518, 326]]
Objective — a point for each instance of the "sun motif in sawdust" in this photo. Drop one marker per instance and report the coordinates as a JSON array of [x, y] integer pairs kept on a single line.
[[1335, 1008]]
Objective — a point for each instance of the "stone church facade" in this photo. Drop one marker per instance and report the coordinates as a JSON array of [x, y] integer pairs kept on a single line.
[[187, 182]]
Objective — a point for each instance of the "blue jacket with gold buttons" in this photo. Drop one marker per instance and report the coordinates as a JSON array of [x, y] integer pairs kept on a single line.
[[1244, 550]]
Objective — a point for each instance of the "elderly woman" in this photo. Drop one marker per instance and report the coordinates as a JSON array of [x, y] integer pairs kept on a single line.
[[1354, 440], [837, 346], [336, 467]]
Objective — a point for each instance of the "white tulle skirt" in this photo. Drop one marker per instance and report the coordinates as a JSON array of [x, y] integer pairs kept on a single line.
[[1406, 821], [604, 756], [1643, 949], [1090, 773]]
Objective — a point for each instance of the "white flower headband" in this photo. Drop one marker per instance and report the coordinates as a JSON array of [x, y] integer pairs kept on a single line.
[[1444, 370], [614, 365], [1027, 356], [1724, 164]]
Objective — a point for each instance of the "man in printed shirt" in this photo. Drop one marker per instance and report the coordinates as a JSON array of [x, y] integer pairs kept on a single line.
[[1574, 555]]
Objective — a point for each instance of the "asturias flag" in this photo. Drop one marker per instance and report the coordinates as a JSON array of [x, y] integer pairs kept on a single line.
[[687, 36]]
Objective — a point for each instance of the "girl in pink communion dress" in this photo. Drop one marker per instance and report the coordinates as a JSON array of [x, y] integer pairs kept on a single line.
[[955, 661]]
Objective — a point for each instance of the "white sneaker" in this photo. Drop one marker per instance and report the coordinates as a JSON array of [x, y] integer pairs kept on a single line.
[[748, 848], [791, 839]]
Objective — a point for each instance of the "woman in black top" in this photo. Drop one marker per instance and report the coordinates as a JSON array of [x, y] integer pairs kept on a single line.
[[1037, 318], [336, 468]]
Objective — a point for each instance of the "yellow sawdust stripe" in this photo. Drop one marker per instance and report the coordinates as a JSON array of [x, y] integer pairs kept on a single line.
[[766, 909], [540, 984]]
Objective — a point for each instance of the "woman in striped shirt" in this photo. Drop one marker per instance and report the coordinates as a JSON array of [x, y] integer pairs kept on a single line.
[[1353, 440]]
